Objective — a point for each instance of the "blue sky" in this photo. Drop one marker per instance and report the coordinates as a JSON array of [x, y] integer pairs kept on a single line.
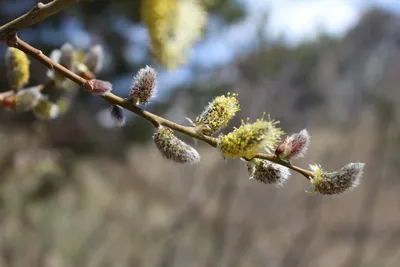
[[301, 19], [295, 20]]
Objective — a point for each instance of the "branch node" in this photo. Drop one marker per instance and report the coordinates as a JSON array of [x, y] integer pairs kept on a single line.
[[156, 124], [11, 39], [38, 6]]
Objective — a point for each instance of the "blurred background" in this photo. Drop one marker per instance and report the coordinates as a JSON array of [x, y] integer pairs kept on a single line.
[[76, 192]]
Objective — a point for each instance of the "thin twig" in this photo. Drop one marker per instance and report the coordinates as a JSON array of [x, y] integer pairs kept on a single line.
[[38, 13], [127, 104]]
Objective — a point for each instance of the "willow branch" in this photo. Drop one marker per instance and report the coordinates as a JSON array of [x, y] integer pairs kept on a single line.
[[38, 13], [125, 103]]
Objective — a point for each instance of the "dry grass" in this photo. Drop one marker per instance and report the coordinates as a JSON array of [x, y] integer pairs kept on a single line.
[[58, 210]]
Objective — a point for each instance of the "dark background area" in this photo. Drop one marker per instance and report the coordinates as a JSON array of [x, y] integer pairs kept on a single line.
[[75, 193]]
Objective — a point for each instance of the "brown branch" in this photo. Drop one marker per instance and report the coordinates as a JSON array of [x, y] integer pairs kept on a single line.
[[38, 13], [127, 104]]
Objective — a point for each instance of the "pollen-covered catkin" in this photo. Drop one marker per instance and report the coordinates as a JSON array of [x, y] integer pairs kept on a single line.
[[17, 66], [174, 25], [268, 172], [143, 86], [334, 183], [173, 148], [55, 55], [249, 138], [217, 114]]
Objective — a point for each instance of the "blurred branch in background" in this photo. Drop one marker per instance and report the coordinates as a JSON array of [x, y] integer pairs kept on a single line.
[[38, 13], [97, 203]]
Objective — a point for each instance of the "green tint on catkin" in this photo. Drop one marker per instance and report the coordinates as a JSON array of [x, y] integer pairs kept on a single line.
[[173, 148], [217, 114], [249, 138], [334, 183], [174, 26], [67, 59], [26, 99], [45, 109], [17, 65]]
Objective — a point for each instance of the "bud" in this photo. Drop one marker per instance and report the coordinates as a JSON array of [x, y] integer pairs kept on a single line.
[[143, 85], [249, 138], [117, 114], [94, 59], [97, 87], [26, 99], [268, 172], [8, 102], [45, 110], [217, 114], [294, 147], [67, 57], [17, 64], [334, 183], [173, 148]]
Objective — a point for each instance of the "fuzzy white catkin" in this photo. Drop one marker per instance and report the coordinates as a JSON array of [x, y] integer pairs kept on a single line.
[[173, 148], [334, 183], [143, 86], [94, 59], [268, 172]]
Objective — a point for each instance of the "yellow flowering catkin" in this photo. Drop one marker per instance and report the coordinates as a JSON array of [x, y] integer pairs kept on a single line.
[[17, 64], [217, 114], [249, 138], [174, 25]]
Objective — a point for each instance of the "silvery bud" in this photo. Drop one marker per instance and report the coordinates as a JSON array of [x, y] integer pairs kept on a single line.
[[26, 99], [143, 86], [268, 172], [94, 59], [173, 148]]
